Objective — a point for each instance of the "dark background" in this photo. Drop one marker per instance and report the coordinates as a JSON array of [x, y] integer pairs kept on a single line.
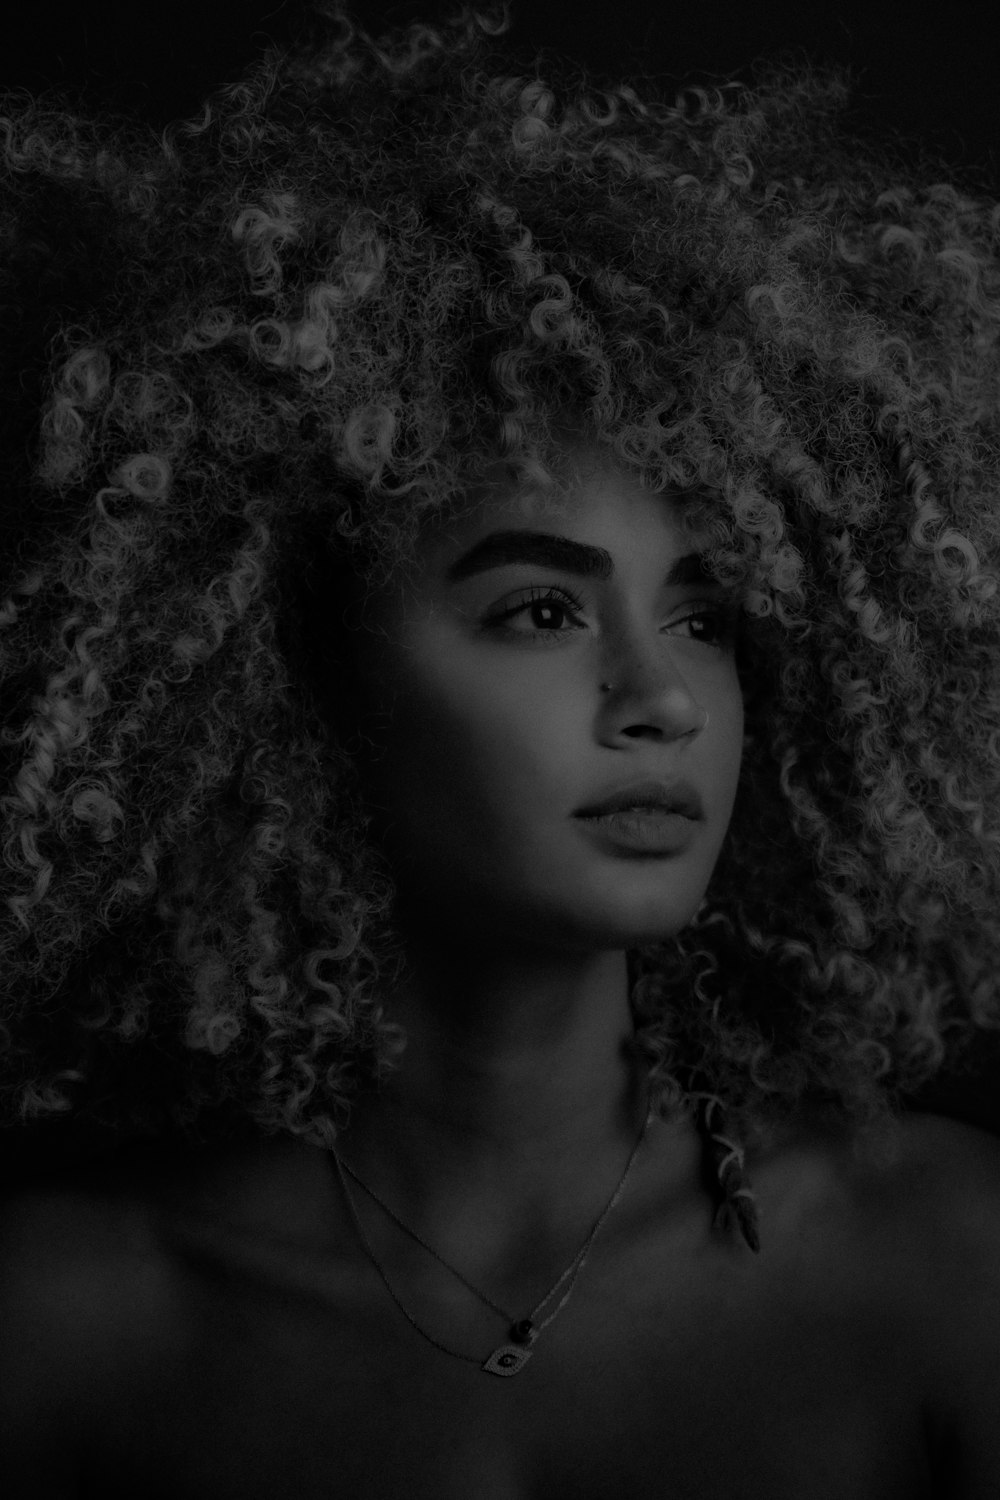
[[928, 78], [928, 73]]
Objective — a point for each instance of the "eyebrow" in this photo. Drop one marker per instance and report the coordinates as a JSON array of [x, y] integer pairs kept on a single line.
[[561, 552]]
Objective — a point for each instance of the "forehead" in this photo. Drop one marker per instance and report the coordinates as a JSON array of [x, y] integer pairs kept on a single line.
[[596, 500]]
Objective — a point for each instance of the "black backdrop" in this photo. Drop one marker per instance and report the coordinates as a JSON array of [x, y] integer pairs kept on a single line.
[[925, 76], [926, 72]]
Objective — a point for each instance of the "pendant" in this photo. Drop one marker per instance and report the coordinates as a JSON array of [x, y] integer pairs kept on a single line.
[[507, 1359]]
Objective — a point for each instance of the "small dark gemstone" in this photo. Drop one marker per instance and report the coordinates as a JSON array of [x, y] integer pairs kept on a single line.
[[522, 1331]]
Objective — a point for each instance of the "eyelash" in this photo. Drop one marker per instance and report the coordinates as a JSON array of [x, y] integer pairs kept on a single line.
[[722, 614]]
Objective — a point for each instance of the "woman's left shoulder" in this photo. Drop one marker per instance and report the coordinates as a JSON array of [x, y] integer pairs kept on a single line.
[[944, 1201], [931, 1203], [947, 1172], [926, 1178]]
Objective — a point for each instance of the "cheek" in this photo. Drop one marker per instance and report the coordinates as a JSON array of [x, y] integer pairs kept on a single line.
[[481, 753], [459, 742]]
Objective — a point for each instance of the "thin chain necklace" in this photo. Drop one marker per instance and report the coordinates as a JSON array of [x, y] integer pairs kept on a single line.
[[507, 1358]]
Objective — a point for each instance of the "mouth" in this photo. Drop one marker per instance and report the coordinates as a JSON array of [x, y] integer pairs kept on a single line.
[[649, 796], [642, 829]]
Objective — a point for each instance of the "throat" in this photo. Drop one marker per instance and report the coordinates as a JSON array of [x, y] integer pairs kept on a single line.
[[475, 1251]]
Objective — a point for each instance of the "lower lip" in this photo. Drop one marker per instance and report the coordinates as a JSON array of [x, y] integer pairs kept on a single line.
[[648, 830]]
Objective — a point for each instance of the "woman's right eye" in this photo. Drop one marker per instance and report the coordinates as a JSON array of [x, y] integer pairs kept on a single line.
[[540, 600]]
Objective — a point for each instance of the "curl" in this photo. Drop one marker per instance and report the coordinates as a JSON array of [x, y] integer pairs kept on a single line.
[[251, 359]]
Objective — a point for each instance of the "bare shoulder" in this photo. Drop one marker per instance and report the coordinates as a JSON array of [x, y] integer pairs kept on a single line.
[[91, 1295], [107, 1221], [924, 1199], [953, 1173], [906, 1233], [81, 1288], [93, 1250], [62, 1230], [94, 1297], [947, 1203], [926, 1163], [935, 1141], [81, 1269], [948, 1177]]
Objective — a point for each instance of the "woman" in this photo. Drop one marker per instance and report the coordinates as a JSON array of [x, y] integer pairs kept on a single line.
[[500, 704]]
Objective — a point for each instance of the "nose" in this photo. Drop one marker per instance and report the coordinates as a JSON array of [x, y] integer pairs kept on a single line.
[[643, 688]]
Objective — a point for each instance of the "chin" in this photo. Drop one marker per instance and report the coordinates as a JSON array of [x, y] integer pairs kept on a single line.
[[602, 925]]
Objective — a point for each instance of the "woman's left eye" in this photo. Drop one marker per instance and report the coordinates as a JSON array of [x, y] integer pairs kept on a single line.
[[564, 604], [539, 600]]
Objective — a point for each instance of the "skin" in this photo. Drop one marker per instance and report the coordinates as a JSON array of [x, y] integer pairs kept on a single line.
[[514, 1111], [209, 1322]]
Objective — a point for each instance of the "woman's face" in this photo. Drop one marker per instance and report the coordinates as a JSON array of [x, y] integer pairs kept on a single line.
[[493, 729]]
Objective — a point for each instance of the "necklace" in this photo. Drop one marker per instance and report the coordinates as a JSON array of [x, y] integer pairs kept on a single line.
[[508, 1358]]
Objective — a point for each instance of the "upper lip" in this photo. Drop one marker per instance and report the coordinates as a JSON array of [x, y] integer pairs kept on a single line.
[[673, 796]]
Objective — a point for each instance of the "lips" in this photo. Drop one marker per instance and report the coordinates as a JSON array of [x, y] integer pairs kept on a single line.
[[643, 832], [663, 796]]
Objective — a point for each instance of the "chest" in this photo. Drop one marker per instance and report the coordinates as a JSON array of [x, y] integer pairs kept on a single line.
[[705, 1379]]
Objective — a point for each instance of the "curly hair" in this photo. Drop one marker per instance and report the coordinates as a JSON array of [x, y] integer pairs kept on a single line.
[[250, 359]]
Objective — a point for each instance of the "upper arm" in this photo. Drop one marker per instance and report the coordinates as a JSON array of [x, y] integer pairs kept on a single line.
[[958, 1307], [72, 1293], [43, 1317]]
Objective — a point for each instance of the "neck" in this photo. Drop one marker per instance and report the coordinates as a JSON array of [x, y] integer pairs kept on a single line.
[[516, 1101], [515, 1052]]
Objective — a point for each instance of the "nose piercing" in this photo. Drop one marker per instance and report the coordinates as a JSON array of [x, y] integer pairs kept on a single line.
[[606, 688]]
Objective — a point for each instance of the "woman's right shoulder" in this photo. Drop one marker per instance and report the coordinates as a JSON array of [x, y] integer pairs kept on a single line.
[[63, 1241], [91, 1252], [87, 1295]]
